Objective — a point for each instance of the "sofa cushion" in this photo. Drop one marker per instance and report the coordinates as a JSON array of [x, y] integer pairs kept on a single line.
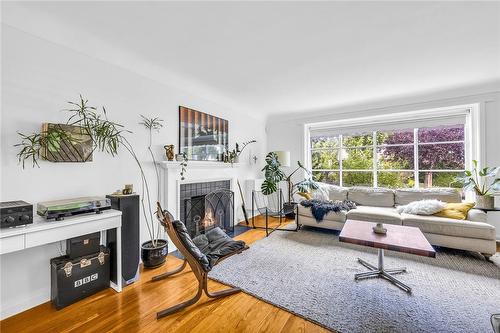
[[407, 195], [330, 192], [321, 193], [450, 227], [330, 216], [336, 192], [477, 215], [375, 214], [372, 196]]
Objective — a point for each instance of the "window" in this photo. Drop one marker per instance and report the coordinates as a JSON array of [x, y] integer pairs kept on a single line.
[[411, 157]]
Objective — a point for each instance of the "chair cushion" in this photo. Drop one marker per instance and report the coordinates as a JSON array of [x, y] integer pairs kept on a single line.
[[407, 195], [375, 214], [372, 196], [216, 244], [330, 216], [186, 240], [450, 227]]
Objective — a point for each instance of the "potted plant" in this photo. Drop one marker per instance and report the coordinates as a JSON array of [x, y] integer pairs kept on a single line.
[[274, 175], [234, 155], [154, 251], [105, 136], [484, 183]]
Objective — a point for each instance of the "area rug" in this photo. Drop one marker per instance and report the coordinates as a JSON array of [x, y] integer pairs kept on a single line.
[[311, 274]]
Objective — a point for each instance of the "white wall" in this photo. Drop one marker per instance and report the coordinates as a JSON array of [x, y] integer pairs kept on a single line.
[[287, 132], [38, 78]]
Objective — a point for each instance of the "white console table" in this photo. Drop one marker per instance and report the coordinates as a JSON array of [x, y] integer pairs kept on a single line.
[[42, 232]]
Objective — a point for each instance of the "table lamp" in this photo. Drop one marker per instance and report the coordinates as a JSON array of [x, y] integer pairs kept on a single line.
[[283, 157]]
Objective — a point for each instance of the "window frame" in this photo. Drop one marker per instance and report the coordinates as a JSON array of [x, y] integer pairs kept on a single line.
[[470, 143]]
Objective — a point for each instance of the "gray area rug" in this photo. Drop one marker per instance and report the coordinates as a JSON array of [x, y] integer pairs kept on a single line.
[[311, 274]]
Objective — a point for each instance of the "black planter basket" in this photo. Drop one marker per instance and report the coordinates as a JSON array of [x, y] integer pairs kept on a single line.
[[154, 256], [289, 209]]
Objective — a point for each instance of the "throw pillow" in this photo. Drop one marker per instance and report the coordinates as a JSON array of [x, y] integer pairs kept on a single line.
[[321, 194], [457, 211], [305, 195], [422, 207]]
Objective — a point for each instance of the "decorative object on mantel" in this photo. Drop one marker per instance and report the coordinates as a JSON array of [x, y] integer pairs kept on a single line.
[[273, 175], [169, 152], [234, 155], [184, 164], [105, 136], [484, 182], [202, 137]]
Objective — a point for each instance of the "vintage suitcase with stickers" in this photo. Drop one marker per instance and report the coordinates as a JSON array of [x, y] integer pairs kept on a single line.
[[75, 279]]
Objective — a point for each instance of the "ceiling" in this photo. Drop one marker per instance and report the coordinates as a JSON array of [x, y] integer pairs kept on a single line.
[[277, 57]]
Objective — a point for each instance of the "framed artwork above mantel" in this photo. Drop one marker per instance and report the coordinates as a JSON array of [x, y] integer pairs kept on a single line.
[[202, 137]]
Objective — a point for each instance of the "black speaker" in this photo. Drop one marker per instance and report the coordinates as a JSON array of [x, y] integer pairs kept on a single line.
[[129, 206]]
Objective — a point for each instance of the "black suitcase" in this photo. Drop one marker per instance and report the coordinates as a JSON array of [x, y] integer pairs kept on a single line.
[[75, 279], [83, 245]]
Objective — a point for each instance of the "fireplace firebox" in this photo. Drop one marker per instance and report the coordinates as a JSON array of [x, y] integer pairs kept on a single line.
[[207, 205]]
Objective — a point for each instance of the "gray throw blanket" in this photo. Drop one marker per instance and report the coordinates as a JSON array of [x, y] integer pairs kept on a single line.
[[320, 208]]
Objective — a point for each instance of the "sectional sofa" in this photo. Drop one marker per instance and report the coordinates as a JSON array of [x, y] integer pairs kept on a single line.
[[378, 205]]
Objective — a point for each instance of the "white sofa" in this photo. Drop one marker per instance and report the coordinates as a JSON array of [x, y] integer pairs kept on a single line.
[[378, 205]]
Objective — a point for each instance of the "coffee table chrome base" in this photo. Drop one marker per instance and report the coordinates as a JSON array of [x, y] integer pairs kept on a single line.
[[382, 272]]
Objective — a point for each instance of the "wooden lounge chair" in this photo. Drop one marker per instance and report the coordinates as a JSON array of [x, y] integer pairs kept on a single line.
[[218, 247]]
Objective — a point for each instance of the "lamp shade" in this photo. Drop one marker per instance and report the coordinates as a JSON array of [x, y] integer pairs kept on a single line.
[[283, 157]]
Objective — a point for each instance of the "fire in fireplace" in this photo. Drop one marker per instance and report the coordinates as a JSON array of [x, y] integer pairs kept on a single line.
[[207, 205]]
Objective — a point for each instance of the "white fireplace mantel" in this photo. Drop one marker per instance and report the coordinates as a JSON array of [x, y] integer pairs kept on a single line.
[[196, 171], [198, 164]]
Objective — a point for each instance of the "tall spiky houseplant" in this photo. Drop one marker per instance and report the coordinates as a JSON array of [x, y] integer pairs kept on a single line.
[[106, 136]]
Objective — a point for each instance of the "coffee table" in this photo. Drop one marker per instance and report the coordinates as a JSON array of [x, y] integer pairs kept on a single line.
[[398, 238]]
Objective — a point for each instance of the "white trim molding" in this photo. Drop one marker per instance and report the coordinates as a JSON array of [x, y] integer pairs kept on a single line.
[[471, 115]]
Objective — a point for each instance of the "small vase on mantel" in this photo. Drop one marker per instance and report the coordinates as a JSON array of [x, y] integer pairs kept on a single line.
[[169, 152], [485, 201]]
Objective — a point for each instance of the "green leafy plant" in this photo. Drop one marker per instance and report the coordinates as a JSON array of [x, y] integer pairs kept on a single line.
[[236, 152], [33, 144], [274, 175], [478, 180], [184, 164], [106, 136]]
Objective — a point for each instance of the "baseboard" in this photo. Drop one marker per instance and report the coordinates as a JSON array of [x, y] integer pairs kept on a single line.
[[13, 309]]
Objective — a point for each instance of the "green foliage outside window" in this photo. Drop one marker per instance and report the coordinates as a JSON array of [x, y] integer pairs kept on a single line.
[[395, 151]]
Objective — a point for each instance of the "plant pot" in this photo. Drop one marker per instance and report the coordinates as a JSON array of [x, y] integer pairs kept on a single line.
[[154, 256], [485, 201], [289, 209]]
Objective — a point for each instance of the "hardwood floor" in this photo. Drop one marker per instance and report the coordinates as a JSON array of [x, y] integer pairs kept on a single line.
[[134, 310]]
